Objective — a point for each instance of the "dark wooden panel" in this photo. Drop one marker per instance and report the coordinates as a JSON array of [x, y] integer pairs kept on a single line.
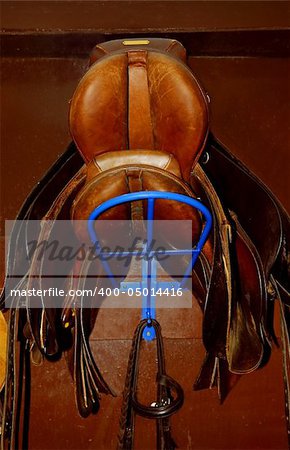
[[144, 15], [250, 113], [251, 418], [75, 44]]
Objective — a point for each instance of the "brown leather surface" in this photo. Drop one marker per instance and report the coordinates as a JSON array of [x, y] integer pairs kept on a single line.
[[177, 124], [140, 129], [182, 126], [236, 86], [114, 182], [154, 158], [98, 110]]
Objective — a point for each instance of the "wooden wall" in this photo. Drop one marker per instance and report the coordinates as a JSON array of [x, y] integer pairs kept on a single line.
[[240, 52]]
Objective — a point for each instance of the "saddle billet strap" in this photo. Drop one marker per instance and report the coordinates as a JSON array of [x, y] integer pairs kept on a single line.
[[42, 321], [87, 394], [219, 293], [165, 405], [216, 308], [85, 329], [89, 382]]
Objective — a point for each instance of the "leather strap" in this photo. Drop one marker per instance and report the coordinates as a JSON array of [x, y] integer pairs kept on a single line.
[[140, 131], [165, 405], [286, 362], [33, 208], [135, 184], [284, 310], [46, 337], [134, 181], [8, 426]]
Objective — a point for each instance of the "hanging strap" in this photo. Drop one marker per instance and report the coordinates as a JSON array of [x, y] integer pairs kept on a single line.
[[165, 405]]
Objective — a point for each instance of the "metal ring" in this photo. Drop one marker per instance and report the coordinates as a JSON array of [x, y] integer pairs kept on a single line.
[[205, 158]]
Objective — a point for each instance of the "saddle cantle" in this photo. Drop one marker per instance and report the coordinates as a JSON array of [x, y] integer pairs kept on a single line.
[[139, 121]]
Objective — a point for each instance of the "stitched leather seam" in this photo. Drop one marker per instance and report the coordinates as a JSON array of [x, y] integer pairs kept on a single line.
[[97, 165], [168, 162], [147, 167]]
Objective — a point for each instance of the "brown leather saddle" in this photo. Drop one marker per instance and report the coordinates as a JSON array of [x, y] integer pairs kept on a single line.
[[139, 119]]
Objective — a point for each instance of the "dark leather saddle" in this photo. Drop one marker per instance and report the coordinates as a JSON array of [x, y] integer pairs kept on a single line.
[[139, 121]]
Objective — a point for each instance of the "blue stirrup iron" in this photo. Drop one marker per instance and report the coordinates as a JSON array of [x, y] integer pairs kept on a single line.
[[149, 275]]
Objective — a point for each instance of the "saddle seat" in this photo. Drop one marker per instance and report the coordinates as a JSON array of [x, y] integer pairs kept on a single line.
[[140, 97], [139, 118]]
